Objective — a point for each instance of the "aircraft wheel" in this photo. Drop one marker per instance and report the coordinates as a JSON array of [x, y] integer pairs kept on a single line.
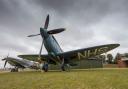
[[45, 67], [14, 70], [65, 67]]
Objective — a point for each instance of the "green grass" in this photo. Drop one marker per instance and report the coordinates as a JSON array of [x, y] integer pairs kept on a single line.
[[75, 79]]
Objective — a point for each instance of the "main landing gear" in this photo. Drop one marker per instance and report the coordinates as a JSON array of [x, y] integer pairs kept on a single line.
[[64, 66], [14, 70], [45, 67]]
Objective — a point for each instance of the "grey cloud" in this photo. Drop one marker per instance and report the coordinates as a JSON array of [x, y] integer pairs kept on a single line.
[[87, 22]]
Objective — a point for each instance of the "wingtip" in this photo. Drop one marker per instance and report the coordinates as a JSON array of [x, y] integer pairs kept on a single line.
[[117, 45]]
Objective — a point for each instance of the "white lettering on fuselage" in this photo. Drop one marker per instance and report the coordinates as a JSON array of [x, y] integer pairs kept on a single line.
[[92, 52]]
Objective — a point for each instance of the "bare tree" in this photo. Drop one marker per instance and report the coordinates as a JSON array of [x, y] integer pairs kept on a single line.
[[117, 57], [110, 58]]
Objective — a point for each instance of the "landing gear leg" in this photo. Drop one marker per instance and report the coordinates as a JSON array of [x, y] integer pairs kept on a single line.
[[65, 67], [62, 66]]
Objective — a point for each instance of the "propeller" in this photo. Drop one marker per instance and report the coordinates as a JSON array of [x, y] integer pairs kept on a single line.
[[5, 60], [5, 63], [45, 27], [39, 57], [54, 31]]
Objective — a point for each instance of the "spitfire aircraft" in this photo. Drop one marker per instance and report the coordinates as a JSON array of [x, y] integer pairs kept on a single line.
[[55, 53], [20, 63]]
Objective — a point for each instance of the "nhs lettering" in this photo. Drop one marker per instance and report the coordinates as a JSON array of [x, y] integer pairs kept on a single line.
[[92, 52]]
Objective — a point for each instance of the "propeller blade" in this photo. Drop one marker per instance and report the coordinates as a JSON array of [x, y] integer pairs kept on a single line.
[[55, 31], [33, 35], [41, 49], [5, 63], [46, 22], [8, 55], [3, 59]]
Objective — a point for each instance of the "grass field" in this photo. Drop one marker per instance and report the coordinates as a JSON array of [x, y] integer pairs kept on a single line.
[[75, 79]]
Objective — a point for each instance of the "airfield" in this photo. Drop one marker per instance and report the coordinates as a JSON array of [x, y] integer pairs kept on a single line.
[[106, 78]]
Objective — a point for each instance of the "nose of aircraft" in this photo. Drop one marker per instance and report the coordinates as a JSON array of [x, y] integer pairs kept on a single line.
[[41, 30], [43, 33]]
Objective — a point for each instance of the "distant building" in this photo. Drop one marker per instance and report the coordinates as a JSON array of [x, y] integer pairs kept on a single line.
[[89, 63], [83, 64], [122, 60]]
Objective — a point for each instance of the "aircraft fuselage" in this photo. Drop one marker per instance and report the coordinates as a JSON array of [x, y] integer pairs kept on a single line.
[[50, 43]]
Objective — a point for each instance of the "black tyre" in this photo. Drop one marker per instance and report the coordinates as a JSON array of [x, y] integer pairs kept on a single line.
[[45, 67], [65, 67]]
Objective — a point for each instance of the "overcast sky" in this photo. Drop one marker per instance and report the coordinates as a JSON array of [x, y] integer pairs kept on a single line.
[[87, 22]]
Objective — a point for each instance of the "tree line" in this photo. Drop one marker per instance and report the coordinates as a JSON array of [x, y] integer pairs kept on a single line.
[[110, 59]]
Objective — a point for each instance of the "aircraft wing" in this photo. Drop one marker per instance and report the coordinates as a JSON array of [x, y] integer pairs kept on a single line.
[[34, 57], [75, 55], [88, 52], [14, 62]]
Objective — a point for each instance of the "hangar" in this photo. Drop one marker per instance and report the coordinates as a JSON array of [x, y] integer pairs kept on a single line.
[[83, 64]]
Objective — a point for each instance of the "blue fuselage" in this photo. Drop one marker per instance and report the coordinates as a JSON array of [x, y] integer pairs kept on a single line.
[[50, 43]]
